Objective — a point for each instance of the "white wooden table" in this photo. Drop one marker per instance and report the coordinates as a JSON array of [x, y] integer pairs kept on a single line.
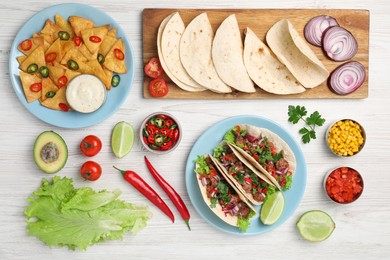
[[363, 228]]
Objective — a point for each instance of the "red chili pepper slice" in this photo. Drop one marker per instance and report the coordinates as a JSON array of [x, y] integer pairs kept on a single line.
[[51, 56], [36, 87], [26, 45], [119, 54], [167, 145], [169, 122], [95, 39], [63, 107], [62, 81], [78, 40], [248, 180], [137, 182]]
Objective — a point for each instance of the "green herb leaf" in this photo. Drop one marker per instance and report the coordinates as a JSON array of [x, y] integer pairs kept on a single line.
[[296, 113], [315, 119]]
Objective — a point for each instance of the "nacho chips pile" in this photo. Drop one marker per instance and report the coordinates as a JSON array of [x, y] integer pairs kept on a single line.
[[61, 51]]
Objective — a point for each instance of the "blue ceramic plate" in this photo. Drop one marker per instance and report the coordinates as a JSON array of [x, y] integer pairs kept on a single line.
[[115, 97], [210, 139]]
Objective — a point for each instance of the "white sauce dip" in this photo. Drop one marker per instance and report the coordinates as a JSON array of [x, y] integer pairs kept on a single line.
[[86, 93]]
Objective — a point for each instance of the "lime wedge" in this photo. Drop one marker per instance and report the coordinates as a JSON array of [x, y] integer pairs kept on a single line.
[[272, 208], [315, 225], [122, 139]]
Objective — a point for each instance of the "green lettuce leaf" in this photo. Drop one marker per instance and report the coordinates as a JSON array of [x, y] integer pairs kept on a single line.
[[61, 215], [244, 223]]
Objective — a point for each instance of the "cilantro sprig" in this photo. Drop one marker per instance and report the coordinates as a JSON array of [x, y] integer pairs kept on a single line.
[[297, 113]]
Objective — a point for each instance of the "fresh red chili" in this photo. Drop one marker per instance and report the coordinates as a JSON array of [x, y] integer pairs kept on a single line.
[[78, 40], [137, 182], [172, 194]]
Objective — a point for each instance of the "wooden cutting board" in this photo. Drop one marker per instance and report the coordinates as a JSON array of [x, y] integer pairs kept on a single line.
[[260, 21]]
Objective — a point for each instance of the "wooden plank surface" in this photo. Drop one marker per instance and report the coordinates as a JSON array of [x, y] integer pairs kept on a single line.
[[260, 21]]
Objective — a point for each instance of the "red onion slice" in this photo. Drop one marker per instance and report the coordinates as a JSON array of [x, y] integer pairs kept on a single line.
[[316, 26], [339, 44], [347, 78]]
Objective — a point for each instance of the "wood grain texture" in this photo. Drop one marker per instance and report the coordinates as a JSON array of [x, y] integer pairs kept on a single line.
[[260, 20]]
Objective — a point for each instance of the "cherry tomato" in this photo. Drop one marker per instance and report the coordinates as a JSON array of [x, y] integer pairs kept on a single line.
[[62, 81], [90, 145], [91, 171], [78, 40], [95, 39], [50, 57], [36, 87], [158, 88], [26, 45], [154, 69], [119, 54]]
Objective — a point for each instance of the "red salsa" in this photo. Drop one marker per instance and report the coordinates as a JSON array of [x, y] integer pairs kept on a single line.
[[160, 132], [344, 185]]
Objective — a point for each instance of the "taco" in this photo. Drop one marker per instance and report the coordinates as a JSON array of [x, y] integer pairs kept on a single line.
[[223, 198], [266, 151], [253, 184]]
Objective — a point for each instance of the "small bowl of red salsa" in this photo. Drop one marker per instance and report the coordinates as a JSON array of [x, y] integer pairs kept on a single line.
[[160, 133], [343, 185]]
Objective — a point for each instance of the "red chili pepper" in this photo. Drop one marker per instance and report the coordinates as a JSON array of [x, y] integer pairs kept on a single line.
[[172, 194], [78, 40], [137, 182]]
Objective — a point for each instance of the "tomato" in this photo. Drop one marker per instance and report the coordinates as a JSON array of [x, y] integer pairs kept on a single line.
[[344, 185], [36, 87], [90, 145], [50, 57], [78, 40], [154, 69], [62, 81], [91, 171], [63, 107], [95, 39], [26, 45], [119, 54], [158, 88]]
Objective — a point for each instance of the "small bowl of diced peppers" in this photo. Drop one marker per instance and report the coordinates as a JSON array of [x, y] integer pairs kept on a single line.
[[343, 185], [346, 137], [160, 133]]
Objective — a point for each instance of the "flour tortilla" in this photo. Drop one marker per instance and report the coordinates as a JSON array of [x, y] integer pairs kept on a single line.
[[293, 51], [195, 54], [266, 70], [227, 54], [170, 54], [217, 210]]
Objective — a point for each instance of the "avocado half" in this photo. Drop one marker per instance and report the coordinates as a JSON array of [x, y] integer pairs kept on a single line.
[[50, 152]]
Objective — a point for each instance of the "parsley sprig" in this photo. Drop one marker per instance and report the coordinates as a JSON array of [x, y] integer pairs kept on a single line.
[[297, 113]]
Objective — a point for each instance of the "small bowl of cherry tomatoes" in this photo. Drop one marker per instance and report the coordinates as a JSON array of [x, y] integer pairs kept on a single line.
[[343, 185], [160, 133]]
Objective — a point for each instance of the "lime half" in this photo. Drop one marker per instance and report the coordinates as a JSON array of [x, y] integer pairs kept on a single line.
[[272, 208], [315, 225], [122, 139]]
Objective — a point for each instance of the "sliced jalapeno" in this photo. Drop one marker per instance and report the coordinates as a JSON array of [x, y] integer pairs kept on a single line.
[[174, 126], [44, 71], [32, 68], [153, 147], [115, 80], [63, 35], [100, 58], [50, 94], [159, 122], [73, 65], [145, 132], [158, 139]]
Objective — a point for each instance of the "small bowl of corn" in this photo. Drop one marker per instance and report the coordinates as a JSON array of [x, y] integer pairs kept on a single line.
[[345, 137]]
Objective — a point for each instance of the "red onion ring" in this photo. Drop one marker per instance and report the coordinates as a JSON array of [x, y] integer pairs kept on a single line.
[[315, 28], [339, 44], [347, 78]]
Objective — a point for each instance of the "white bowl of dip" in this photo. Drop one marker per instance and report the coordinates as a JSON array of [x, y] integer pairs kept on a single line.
[[86, 93]]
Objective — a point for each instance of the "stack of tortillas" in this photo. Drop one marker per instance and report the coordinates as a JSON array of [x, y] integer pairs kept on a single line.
[[196, 59]]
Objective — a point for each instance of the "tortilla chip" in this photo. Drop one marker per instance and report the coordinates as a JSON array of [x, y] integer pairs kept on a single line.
[[20, 59], [111, 62], [84, 68], [70, 74], [79, 23], [109, 75], [36, 42], [56, 48], [98, 71], [27, 80], [66, 46], [64, 25], [84, 50], [51, 29], [55, 72], [73, 54], [54, 102], [100, 32], [37, 57], [112, 32], [47, 85], [106, 45]]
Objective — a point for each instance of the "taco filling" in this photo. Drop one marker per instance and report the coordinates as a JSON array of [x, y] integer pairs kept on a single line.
[[263, 151], [255, 188], [221, 195]]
